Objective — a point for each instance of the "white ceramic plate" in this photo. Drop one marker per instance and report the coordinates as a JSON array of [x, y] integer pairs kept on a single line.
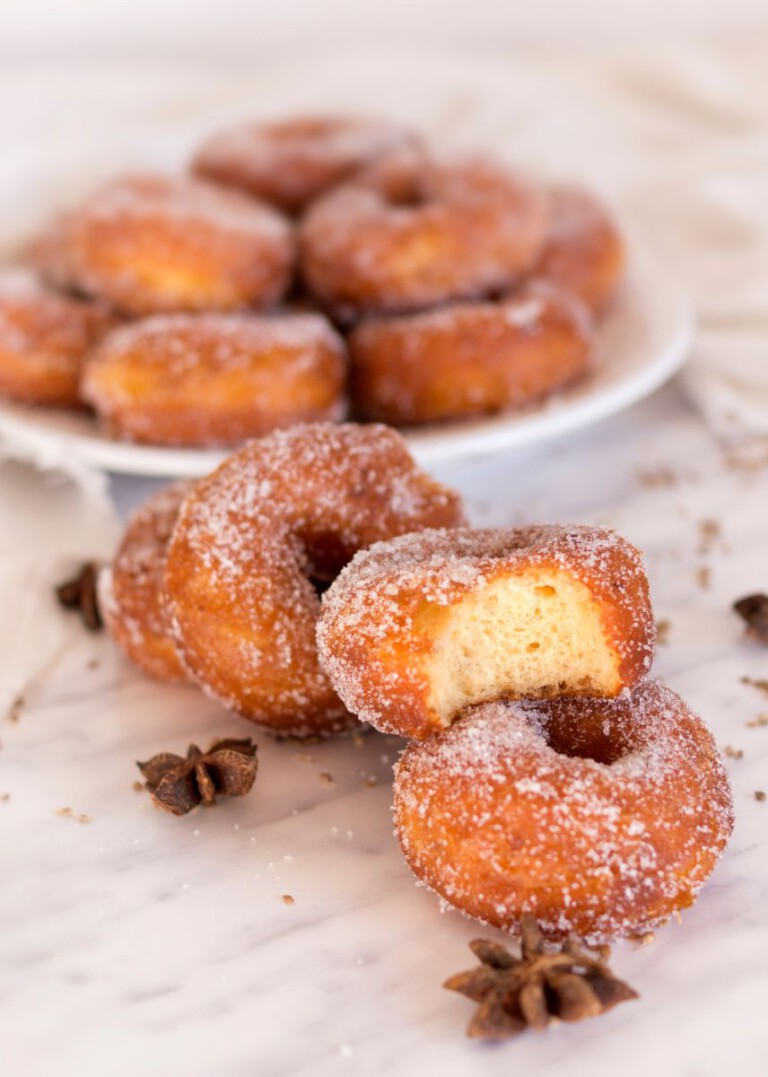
[[640, 345]]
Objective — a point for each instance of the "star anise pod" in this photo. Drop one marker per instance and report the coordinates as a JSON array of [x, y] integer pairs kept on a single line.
[[179, 784], [754, 610], [79, 594], [543, 983]]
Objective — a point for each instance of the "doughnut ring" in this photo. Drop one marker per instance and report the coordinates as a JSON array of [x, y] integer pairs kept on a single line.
[[130, 589], [290, 162], [215, 379], [148, 244], [584, 253], [600, 817], [43, 340], [410, 232], [417, 629], [469, 358], [283, 511]]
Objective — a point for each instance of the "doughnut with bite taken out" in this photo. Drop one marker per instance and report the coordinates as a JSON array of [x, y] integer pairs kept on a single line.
[[599, 817], [416, 629]]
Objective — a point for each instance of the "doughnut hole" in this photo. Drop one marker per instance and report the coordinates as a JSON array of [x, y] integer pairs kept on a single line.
[[538, 634]]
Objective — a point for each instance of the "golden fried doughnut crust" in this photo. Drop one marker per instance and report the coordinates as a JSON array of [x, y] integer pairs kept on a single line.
[[44, 337], [285, 510], [291, 162], [149, 244], [417, 629], [216, 379], [410, 232], [469, 358], [599, 817], [584, 252], [130, 589]]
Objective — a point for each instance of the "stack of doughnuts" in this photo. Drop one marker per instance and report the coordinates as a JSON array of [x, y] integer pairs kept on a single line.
[[218, 581], [545, 774], [318, 578], [307, 270]]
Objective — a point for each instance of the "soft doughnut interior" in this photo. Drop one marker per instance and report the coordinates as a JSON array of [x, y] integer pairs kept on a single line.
[[538, 633]]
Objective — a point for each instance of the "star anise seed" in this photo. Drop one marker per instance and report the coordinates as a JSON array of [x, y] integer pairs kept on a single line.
[[180, 783], [754, 610], [544, 983], [79, 593]]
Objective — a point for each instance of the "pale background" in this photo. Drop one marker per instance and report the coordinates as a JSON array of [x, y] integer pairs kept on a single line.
[[244, 30]]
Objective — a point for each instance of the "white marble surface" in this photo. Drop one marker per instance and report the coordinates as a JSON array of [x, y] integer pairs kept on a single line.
[[135, 943], [140, 943]]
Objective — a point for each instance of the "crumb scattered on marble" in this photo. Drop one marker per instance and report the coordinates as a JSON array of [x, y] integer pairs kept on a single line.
[[647, 938], [760, 795], [756, 723], [304, 757], [704, 577], [138, 787], [370, 783], [760, 683], [93, 663], [678, 917], [710, 531], [70, 813], [4, 798], [733, 753], [663, 628], [358, 740], [288, 899], [655, 477], [15, 709], [326, 778]]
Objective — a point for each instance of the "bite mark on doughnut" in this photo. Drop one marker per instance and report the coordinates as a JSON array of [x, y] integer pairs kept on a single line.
[[535, 634], [418, 628]]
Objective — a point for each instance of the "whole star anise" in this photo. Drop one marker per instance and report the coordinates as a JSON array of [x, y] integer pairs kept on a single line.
[[79, 594], [754, 610], [515, 993], [179, 784]]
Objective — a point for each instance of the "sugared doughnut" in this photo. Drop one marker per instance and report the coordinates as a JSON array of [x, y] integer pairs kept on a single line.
[[130, 589], [599, 817], [215, 379], [43, 340], [416, 629], [284, 510], [410, 232], [150, 244], [290, 162], [468, 358], [584, 252]]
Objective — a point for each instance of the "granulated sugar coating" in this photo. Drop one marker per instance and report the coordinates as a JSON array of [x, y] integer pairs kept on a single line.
[[412, 231], [599, 817], [469, 358], [216, 379], [43, 340], [130, 589], [290, 162], [285, 510], [584, 253], [415, 630], [148, 243]]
